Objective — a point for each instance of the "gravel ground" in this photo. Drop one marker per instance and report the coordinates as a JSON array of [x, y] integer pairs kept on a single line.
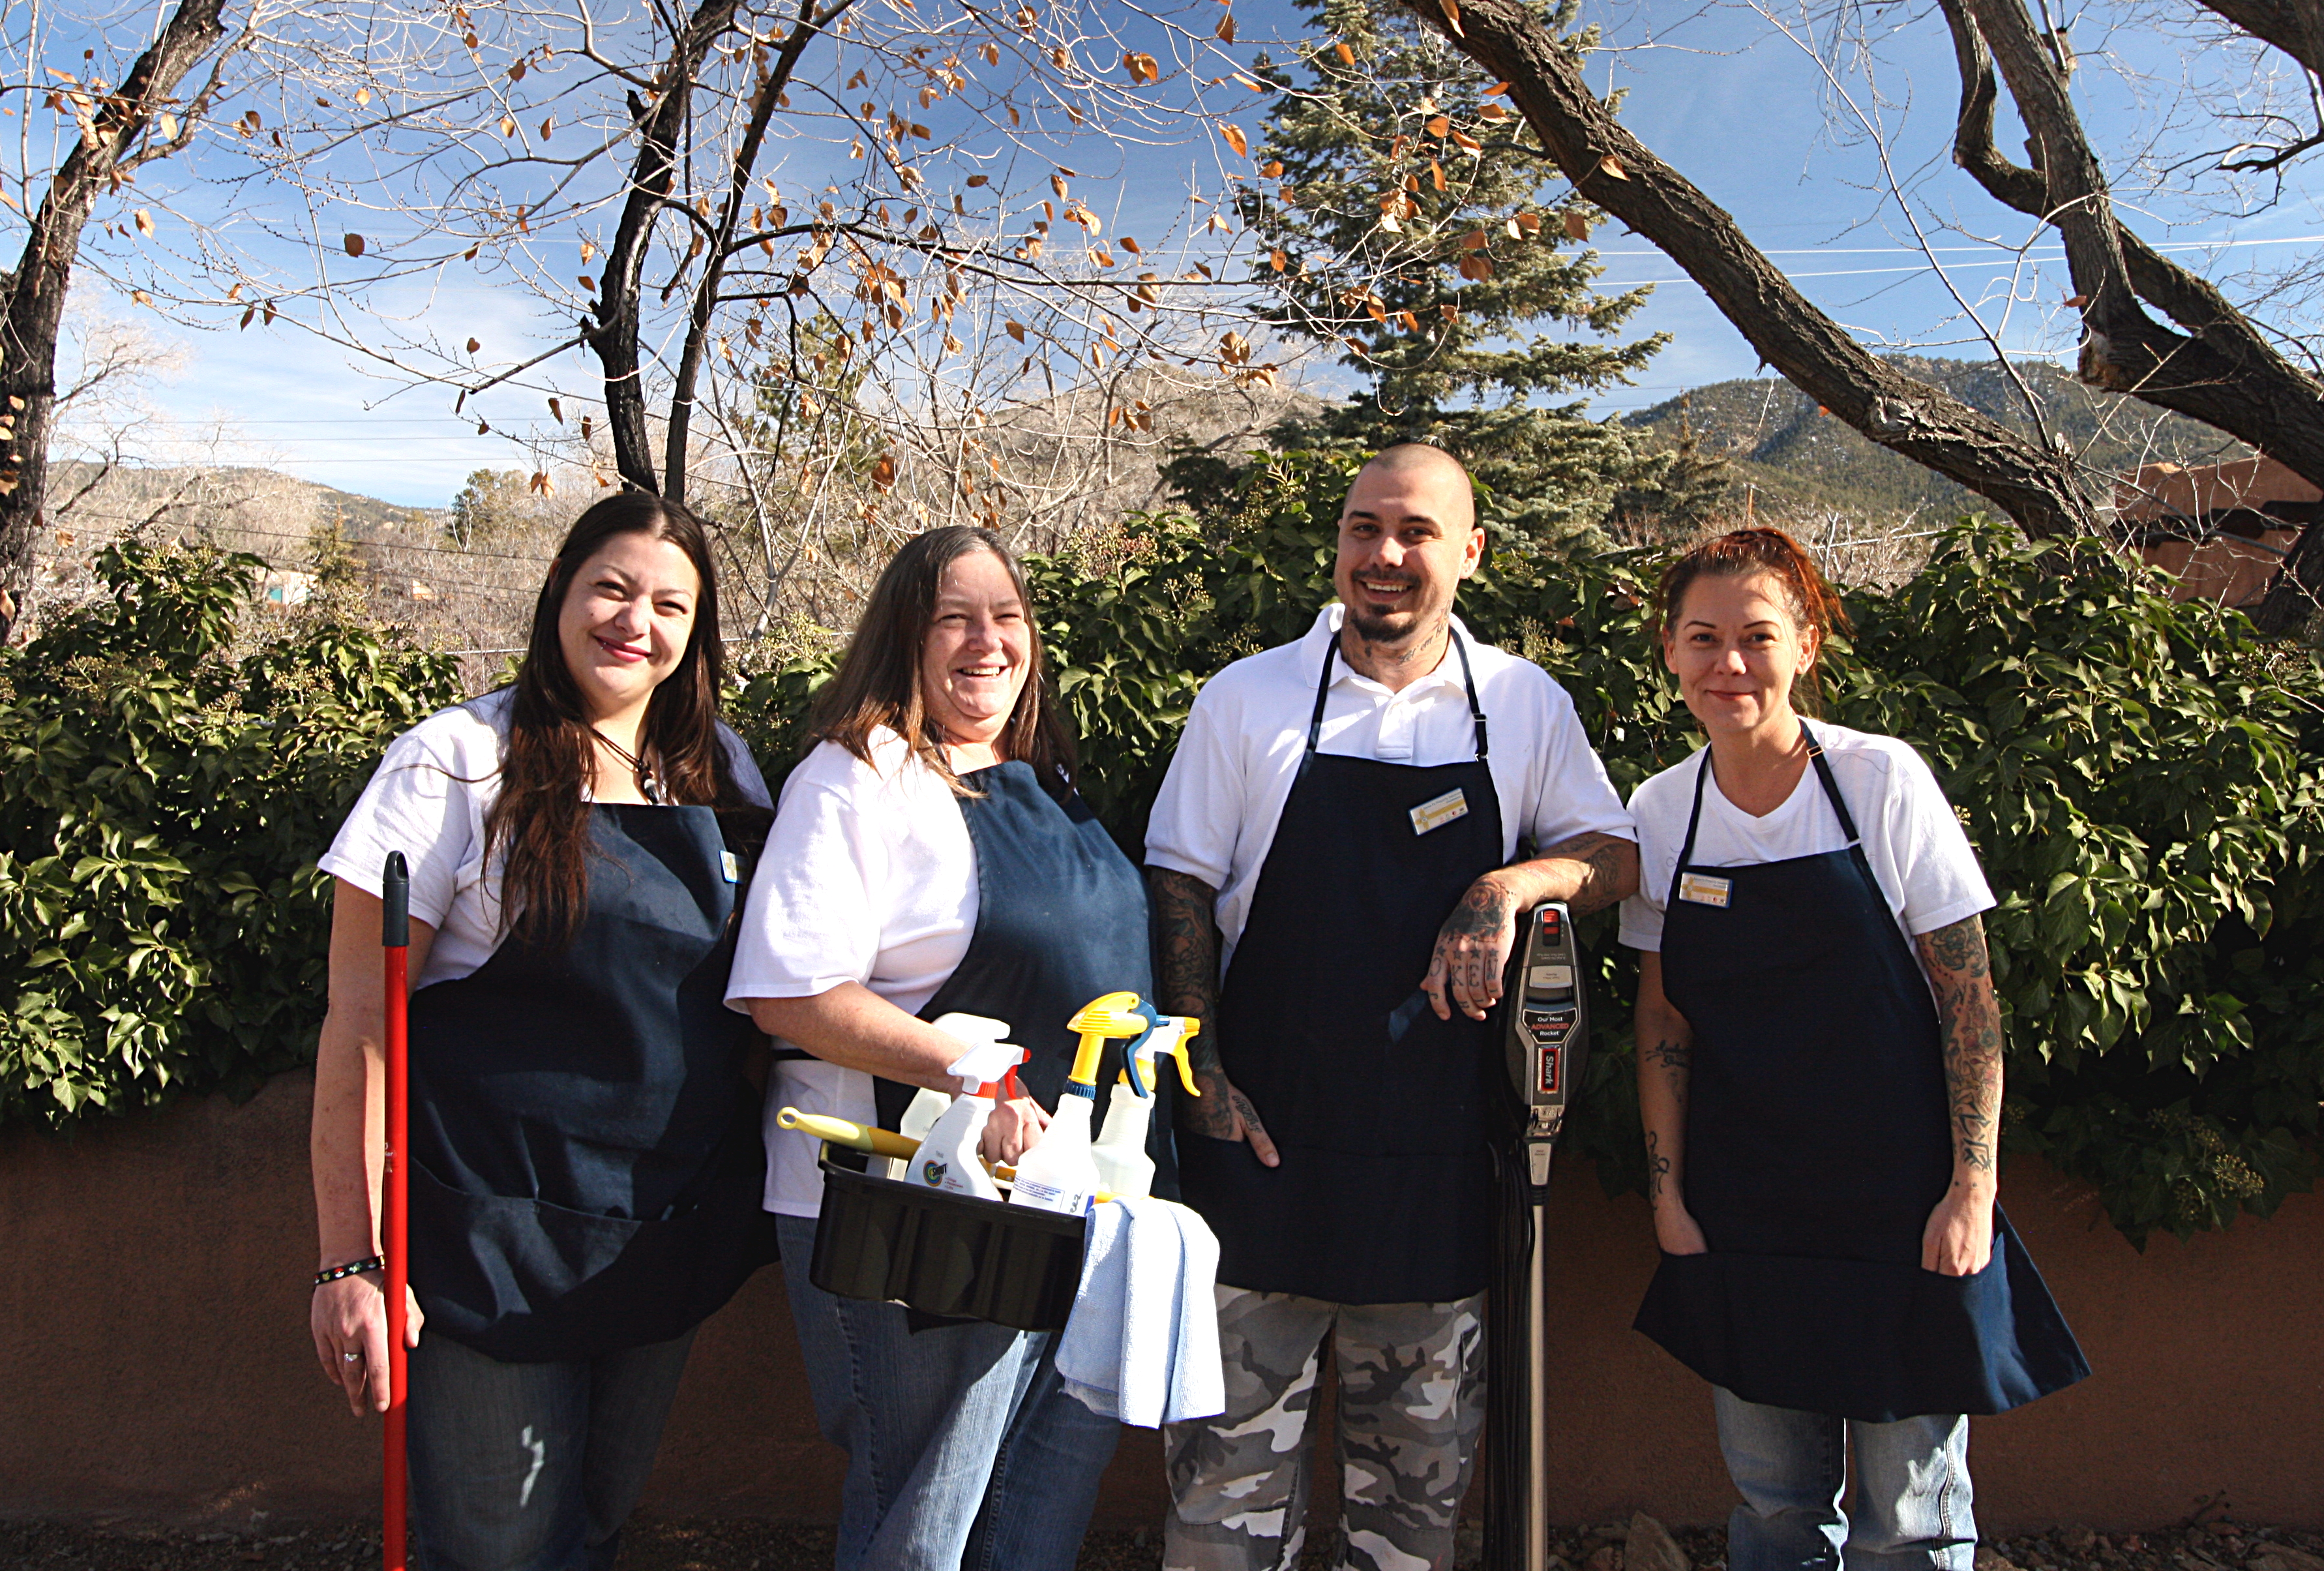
[[762, 1545]]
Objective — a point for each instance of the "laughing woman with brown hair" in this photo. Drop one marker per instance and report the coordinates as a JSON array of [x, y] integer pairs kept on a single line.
[[585, 1167]]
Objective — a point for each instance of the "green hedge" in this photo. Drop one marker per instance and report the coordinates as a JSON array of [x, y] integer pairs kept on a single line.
[[162, 924], [2140, 779]]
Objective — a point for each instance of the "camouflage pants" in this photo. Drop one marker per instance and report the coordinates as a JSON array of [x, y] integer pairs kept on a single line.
[[1412, 1399]]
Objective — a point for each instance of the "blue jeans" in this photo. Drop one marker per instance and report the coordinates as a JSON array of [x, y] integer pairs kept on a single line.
[[532, 1467], [1912, 1491], [964, 1450]]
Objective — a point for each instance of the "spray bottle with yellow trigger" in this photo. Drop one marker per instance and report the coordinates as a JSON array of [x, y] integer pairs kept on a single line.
[[1123, 1168], [1059, 1174]]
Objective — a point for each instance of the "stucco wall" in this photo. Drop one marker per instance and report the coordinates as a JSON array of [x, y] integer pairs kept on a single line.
[[154, 1359]]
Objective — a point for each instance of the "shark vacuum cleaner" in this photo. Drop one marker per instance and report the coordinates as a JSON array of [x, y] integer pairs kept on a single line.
[[1546, 1036]]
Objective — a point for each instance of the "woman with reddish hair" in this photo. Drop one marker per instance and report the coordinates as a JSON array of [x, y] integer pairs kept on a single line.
[[1820, 1077]]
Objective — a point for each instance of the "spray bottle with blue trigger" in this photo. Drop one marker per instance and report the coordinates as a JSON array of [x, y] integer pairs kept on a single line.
[[1123, 1166]]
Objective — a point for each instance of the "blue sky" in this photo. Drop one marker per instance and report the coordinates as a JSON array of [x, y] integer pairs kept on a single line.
[[1717, 91]]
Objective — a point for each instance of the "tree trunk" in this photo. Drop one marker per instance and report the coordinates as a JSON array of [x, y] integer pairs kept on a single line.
[[35, 299], [661, 125], [2035, 485]]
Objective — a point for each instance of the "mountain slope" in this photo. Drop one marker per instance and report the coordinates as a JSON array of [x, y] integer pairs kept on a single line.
[[1802, 461]]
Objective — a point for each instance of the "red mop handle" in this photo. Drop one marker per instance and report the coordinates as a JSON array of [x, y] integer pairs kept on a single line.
[[395, 935]]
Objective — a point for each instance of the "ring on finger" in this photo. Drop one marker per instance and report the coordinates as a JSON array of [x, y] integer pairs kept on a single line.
[[350, 1358]]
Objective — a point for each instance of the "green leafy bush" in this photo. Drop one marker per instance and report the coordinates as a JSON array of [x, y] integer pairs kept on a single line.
[[162, 924]]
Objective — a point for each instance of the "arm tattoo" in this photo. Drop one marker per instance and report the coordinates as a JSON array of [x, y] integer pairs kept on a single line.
[[1609, 870], [1186, 978], [1658, 1166], [1960, 974]]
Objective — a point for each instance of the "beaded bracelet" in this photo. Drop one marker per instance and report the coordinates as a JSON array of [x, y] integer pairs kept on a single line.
[[353, 1268]]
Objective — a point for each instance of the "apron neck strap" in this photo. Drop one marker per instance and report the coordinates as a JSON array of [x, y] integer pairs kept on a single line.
[[1467, 681], [1831, 786], [1694, 818]]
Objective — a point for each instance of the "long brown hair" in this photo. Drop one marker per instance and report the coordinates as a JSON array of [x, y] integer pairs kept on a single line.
[[878, 683], [1745, 551], [540, 819]]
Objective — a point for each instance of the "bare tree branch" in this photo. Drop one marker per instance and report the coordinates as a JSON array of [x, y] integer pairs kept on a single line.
[[2035, 485]]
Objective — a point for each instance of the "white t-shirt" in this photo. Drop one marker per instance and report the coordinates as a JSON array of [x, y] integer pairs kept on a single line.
[[1215, 817], [1920, 857], [870, 877], [428, 800]]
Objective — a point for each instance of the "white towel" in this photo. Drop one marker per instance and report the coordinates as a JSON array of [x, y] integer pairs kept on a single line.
[[1142, 1342]]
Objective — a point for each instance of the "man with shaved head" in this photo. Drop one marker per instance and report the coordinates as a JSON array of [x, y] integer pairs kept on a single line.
[[1335, 892]]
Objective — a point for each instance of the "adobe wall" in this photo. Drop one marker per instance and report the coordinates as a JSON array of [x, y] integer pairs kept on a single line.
[[154, 1361]]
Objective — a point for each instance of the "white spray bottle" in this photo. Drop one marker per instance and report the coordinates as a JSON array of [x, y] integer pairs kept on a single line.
[[973, 1031], [1123, 1168], [1058, 1174], [948, 1159]]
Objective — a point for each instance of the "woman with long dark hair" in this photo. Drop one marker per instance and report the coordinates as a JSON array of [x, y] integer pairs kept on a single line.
[[584, 1164], [931, 856], [1819, 1074]]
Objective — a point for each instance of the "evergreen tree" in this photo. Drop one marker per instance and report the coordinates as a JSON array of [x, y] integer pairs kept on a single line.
[[1690, 488], [1408, 222]]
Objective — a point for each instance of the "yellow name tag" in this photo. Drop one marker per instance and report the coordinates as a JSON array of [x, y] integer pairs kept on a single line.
[[1702, 890], [1438, 812]]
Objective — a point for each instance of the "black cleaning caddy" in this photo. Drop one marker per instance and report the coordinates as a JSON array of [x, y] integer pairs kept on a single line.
[[943, 1253]]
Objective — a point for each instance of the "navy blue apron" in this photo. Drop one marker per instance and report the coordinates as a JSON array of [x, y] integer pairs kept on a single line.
[[1382, 1112], [1060, 920], [1818, 1142], [587, 1171]]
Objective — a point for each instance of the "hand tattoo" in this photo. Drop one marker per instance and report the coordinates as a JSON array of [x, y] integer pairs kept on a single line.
[[1960, 975]]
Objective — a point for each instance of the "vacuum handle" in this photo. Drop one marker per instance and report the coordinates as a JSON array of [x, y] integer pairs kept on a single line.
[[395, 941]]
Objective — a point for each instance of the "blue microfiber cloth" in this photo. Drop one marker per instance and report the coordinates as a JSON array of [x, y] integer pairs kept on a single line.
[[1142, 1342]]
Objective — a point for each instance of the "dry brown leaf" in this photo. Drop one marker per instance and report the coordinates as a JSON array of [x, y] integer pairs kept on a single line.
[[1226, 28], [1440, 126], [883, 473], [1577, 227], [2077, 300], [1278, 261], [517, 69], [1475, 240], [355, 244], [1272, 169], [474, 346], [556, 412], [979, 180], [1236, 139], [1014, 330], [585, 428], [145, 223], [588, 283], [1347, 56], [363, 97], [1612, 168]]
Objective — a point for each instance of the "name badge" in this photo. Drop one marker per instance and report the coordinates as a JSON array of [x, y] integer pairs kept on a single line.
[[1702, 890], [1438, 812], [730, 867]]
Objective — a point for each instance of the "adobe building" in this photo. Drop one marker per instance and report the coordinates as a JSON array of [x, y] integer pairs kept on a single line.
[[2222, 530]]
